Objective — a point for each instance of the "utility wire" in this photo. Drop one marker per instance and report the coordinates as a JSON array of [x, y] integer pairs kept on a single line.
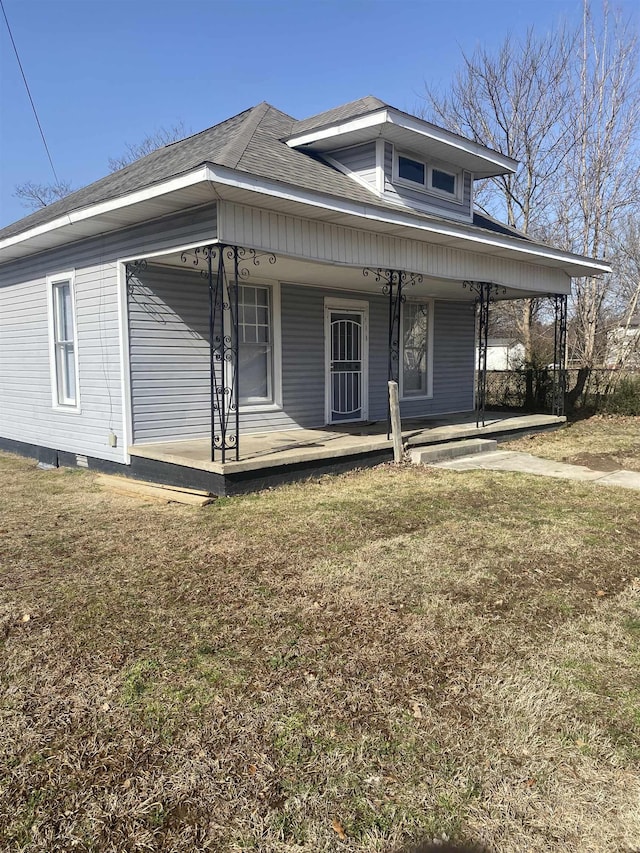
[[33, 106]]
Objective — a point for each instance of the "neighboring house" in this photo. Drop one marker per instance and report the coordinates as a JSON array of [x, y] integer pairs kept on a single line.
[[503, 354], [623, 345], [357, 255]]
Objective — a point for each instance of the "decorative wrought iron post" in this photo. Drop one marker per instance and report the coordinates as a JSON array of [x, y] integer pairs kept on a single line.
[[224, 338], [484, 291], [236, 342], [212, 281], [394, 285], [559, 354]]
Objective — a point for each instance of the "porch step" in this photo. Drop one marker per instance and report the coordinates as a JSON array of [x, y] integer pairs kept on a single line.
[[451, 450]]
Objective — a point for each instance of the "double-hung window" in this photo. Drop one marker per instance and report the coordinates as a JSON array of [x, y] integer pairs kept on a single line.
[[255, 345], [63, 348], [416, 349]]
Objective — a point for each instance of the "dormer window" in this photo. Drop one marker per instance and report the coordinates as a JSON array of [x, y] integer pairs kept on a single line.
[[443, 181], [412, 170], [428, 177]]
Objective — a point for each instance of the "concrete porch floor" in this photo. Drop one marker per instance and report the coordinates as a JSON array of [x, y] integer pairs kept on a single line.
[[291, 447]]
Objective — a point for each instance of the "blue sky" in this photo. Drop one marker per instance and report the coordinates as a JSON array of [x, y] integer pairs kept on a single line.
[[107, 72]]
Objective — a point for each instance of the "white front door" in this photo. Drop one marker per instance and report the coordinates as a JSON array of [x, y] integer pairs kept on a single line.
[[346, 359]]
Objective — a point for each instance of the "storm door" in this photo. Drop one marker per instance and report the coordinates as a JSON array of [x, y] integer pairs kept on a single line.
[[346, 341]]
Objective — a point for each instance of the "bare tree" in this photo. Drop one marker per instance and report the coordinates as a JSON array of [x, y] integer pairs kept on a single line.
[[514, 102], [160, 137], [36, 196], [600, 184], [623, 337], [567, 106]]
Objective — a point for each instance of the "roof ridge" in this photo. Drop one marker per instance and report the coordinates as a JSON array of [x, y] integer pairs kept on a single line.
[[200, 132], [231, 153], [350, 110]]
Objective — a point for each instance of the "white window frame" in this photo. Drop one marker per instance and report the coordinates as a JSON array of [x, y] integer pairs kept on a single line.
[[457, 176], [275, 381], [427, 186], [429, 392], [53, 283]]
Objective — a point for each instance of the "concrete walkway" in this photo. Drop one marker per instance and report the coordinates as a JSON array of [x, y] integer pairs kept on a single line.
[[525, 463]]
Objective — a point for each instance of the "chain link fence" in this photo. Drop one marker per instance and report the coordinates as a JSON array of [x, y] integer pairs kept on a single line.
[[532, 389]]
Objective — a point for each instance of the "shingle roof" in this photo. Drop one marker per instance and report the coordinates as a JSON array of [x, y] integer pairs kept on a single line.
[[251, 142], [481, 220], [164, 163], [347, 111]]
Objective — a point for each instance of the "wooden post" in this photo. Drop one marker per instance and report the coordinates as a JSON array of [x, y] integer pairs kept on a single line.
[[396, 426]]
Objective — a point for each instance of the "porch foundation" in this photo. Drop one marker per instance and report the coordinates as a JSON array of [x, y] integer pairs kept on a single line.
[[283, 456]]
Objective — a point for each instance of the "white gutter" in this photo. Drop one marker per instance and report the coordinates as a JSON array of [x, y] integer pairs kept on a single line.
[[453, 231], [224, 176]]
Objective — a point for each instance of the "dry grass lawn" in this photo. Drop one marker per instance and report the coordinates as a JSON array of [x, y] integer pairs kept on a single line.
[[348, 664], [603, 442]]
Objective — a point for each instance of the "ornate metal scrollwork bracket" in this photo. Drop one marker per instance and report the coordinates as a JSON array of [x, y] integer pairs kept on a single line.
[[394, 283], [132, 271]]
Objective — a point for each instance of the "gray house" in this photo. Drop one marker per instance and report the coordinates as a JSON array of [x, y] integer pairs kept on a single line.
[[235, 303]]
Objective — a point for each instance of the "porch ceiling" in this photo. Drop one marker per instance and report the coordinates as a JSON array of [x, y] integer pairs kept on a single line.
[[288, 270]]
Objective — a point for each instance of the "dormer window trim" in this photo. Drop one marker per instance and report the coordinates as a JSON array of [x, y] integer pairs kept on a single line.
[[426, 185]]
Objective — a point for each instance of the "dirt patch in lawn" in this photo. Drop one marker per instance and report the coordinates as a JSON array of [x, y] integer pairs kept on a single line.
[[596, 461], [603, 442], [356, 663]]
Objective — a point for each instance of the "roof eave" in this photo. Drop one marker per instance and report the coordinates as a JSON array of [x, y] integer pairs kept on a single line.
[[490, 163], [209, 175]]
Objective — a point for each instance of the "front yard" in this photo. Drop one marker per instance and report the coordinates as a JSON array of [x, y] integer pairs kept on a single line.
[[348, 664]]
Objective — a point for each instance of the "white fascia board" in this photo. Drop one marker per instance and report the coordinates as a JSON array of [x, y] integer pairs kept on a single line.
[[531, 252], [379, 117], [76, 216], [431, 131], [215, 174], [416, 125]]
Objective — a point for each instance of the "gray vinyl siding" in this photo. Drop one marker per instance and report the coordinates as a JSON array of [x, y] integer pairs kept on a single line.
[[26, 407], [26, 412], [169, 353], [359, 159], [169, 357], [303, 360], [303, 383], [421, 200]]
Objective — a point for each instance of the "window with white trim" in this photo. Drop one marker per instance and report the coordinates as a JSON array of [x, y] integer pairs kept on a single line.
[[427, 177], [416, 349], [255, 345], [64, 370], [412, 170], [442, 181]]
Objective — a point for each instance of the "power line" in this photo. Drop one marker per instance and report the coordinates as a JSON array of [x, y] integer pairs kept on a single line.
[[26, 85]]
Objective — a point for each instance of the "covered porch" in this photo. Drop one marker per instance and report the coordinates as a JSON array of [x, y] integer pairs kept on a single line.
[[188, 327]]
